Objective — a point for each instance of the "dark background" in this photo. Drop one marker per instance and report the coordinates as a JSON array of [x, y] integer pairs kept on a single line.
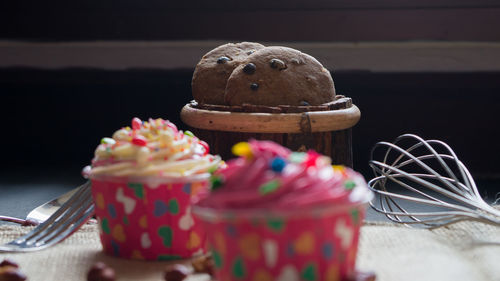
[[258, 20], [53, 119]]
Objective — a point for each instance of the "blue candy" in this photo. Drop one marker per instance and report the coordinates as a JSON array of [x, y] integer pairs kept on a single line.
[[278, 164]]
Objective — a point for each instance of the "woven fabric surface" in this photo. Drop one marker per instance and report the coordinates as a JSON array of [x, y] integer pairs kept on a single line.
[[464, 251]]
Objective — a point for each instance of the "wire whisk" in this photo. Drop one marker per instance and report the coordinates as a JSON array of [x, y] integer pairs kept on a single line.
[[412, 171]]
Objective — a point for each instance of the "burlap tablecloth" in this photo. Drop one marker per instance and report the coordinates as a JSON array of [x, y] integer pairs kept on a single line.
[[465, 251]]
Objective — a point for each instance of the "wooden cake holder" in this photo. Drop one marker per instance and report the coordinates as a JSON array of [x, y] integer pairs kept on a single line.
[[326, 131]]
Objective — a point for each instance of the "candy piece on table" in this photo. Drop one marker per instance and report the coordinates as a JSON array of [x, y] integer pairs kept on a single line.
[[177, 272], [9, 271], [203, 264], [362, 276], [7, 262], [101, 272]]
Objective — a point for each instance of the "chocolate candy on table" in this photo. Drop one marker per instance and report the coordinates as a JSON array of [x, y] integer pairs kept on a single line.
[[204, 264], [7, 262], [362, 276], [100, 272], [9, 271], [177, 272]]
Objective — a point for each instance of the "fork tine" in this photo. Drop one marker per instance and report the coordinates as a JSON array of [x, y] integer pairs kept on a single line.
[[77, 209], [68, 228], [72, 214], [56, 214]]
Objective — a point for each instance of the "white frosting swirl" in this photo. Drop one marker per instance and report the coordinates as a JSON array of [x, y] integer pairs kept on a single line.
[[152, 148]]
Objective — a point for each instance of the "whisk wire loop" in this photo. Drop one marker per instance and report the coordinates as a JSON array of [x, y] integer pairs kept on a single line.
[[419, 162], [441, 181]]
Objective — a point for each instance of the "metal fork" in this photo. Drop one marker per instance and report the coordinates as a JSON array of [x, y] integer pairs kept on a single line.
[[69, 218]]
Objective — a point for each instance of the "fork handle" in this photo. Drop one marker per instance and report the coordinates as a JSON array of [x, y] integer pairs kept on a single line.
[[19, 221]]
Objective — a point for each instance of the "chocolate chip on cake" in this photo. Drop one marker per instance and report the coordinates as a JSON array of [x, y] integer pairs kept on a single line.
[[101, 272], [222, 60], [249, 68], [177, 272], [278, 64], [254, 86]]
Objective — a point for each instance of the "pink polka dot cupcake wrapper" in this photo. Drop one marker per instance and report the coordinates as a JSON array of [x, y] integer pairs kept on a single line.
[[151, 221], [311, 247]]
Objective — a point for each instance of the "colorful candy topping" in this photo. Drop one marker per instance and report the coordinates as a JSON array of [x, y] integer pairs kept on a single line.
[[136, 123], [349, 185], [153, 147], [267, 175], [139, 140], [189, 133], [108, 141], [215, 182], [269, 187], [242, 149], [278, 164]]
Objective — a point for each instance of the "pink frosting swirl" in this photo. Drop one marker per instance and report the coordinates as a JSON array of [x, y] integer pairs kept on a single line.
[[270, 176]]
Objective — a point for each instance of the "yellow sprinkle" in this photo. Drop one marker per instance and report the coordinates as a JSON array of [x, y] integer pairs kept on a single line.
[[242, 149], [338, 168]]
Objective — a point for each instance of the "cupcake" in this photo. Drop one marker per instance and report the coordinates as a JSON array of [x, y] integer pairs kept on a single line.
[[273, 214], [143, 181]]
